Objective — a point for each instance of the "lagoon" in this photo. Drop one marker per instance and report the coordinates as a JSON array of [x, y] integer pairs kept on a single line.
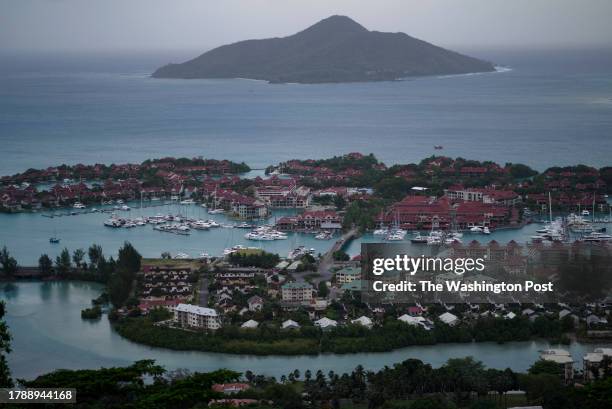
[[48, 333]]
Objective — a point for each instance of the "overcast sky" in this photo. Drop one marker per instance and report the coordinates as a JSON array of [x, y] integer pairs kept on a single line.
[[92, 25]]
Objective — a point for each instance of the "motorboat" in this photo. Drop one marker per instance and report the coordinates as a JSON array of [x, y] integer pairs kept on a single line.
[[476, 229], [324, 235], [418, 239]]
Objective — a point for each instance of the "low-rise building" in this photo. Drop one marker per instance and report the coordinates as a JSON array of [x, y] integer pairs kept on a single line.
[[348, 275], [563, 358], [290, 324], [449, 319], [326, 323], [255, 303], [363, 321], [594, 363], [296, 292], [193, 316], [250, 324]]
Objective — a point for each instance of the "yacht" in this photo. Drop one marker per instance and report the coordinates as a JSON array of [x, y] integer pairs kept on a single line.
[[112, 222], [182, 256], [418, 239], [233, 249], [298, 252], [200, 225], [79, 205], [381, 232], [596, 237], [324, 235], [476, 229], [187, 202], [216, 211], [213, 223]]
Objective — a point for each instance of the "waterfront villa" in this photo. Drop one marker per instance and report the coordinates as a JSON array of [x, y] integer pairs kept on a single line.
[[193, 316], [290, 324], [563, 358], [250, 324], [363, 321], [449, 319], [326, 323], [311, 220], [592, 363]]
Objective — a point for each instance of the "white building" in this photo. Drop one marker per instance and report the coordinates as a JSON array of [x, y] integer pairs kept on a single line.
[[561, 357], [290, 324], [592, 363], [187, 315], [449, 319], [417, 321], [363, 321], [326, 323], [250, 324]]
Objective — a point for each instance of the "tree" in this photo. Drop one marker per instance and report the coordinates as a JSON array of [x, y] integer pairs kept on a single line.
[[45, 265], [77, 257], [8, 263], [118, 290], [62, 263], [129, 259], [95, 255], [340, 255], [323, 290], [545, 367], [5, 348]]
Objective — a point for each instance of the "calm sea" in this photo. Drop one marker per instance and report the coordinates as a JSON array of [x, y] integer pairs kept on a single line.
[[551, 108]]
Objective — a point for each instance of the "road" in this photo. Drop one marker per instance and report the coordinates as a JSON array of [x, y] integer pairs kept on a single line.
[[327, 260]]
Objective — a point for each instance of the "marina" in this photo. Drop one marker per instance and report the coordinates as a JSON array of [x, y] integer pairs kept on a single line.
[[195, 230]]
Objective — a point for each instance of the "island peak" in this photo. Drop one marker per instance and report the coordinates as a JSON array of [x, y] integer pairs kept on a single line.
[[335, 49]]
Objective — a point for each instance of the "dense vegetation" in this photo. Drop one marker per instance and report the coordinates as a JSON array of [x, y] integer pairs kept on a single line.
[[392, 334], [411, 384], [261, 259]]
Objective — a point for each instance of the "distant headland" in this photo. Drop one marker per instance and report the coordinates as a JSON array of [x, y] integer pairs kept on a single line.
[[336, 49]]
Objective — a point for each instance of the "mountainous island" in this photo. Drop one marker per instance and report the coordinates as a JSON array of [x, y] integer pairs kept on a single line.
[[336, 49]]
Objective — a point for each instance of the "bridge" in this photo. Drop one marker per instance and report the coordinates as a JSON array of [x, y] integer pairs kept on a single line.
[[327, 260]]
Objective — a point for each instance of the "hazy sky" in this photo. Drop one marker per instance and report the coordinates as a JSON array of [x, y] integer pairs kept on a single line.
[[77, 25]]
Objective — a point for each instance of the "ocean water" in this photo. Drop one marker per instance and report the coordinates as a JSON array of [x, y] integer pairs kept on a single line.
[[551, 108]]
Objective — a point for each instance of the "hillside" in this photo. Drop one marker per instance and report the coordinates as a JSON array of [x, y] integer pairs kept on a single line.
[[336, 49]]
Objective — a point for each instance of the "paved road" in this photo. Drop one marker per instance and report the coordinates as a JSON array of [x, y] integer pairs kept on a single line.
[[203, 292], [328, 258]]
